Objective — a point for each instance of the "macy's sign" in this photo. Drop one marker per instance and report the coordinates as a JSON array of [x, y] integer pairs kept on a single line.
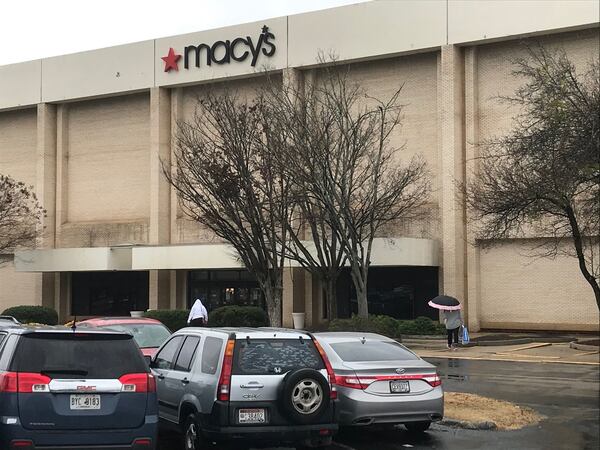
[[223, 52]]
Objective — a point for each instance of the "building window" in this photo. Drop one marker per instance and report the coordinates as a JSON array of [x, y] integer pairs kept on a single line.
[[218, 288], [108, 293]]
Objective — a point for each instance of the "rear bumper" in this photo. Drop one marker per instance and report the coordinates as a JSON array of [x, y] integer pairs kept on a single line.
[[359, 408], [80, 439]]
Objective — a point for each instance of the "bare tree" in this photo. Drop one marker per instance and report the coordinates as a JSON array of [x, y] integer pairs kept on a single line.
[[296, 138], [543, 177], [346, 174], [228, 180], [20, 215]]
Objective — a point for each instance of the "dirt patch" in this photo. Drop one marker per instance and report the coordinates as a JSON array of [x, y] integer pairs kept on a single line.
[[477, 409]]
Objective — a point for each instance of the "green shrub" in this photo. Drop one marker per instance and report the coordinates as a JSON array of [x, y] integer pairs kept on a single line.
[[173, 319], [388, 326], [374, 324], [33, 314], [238, 316], [420, 326]]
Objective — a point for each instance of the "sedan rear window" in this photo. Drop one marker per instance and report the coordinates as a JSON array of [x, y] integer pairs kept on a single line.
[[274, 356], [151, 335], [78, 355], [372, 351]]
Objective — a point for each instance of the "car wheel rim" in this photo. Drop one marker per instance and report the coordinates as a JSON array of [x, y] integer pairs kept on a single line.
[[307, 396], [191, 437]]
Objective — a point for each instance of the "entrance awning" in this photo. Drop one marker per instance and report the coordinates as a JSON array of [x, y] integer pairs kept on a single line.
[[386, 252]]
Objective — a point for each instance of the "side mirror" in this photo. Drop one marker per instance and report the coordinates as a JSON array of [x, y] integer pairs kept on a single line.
[[148, 359]]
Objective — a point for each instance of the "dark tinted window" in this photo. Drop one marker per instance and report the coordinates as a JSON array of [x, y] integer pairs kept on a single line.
[[261, 357], [372, 351], [2, 336], [184, 360], [210, 354], [78, 355], [164, 359]]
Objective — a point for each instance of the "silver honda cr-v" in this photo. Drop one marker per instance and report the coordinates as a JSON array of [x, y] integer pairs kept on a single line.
[[252, 384]]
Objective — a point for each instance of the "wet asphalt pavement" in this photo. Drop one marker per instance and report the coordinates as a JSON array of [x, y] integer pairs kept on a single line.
[[567, 395]]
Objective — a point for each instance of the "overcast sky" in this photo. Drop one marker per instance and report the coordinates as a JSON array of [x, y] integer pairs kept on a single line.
[[33, 29]]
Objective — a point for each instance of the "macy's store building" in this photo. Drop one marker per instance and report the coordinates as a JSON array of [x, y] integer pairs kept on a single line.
[[89, 130]]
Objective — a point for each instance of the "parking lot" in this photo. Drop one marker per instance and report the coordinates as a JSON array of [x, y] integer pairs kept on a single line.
[[567, 395]]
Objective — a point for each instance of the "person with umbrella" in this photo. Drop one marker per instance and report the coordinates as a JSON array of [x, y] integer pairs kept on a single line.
[[450, 308]]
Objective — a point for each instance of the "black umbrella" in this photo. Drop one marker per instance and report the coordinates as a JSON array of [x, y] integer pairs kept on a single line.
[[445, 302]]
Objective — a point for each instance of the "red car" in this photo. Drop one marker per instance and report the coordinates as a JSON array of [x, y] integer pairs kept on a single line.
[[149, 334]]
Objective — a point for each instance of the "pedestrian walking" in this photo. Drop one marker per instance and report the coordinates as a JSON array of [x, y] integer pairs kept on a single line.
[[453, 322], [450, 308], [198, 315]]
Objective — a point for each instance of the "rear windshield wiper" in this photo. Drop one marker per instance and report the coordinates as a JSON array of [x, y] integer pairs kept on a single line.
[[65, 371]]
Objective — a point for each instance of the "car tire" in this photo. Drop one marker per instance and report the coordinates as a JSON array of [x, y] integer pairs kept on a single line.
[[417, 427], [192, 433], [304, 396]]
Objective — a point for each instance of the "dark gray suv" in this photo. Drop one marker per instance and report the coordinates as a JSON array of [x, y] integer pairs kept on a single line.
[[228, 384], [61, 389]]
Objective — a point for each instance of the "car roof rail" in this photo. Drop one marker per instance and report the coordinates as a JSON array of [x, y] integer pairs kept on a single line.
[[10, 318]]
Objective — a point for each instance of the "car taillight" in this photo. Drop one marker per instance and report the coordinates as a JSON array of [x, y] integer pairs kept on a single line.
[[355, 382], [25, 383], [434, 380], [225, 378], [330, 373], [8, 382], [33, 382], [138, 382]]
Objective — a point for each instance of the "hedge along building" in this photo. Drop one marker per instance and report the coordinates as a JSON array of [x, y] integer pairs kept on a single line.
[[89, 131]]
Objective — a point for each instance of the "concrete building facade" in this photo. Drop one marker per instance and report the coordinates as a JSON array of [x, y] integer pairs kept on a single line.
[[89, 132]]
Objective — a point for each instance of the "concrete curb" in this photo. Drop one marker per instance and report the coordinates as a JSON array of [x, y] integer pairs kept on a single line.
[[486, 426], [588, 348]]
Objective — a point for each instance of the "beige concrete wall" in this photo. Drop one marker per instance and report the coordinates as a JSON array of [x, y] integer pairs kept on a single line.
[[518, 291], [514, 290], [18, 288], [20, 84], [18, 140], [108, 160], [18, 131]]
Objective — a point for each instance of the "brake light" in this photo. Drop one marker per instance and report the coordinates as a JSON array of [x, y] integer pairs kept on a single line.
[[21, 443], [355, 382], [330, 373], [146, 442], [8, 382], [33, 382], [434, 380], [138, 382], [225, 378]]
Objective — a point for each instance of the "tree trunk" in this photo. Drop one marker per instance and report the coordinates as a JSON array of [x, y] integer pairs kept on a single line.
[[578, 242], [273, 299], [331, 296], [360, 285]]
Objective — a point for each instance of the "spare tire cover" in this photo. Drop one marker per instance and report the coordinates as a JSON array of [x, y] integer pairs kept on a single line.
[[304, 395]]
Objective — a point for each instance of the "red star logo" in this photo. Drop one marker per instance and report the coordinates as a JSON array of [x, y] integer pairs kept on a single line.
[[171, 60]]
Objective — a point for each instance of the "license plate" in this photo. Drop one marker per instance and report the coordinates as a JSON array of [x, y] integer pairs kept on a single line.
[[85, 401], [252, 416], [399, 387]]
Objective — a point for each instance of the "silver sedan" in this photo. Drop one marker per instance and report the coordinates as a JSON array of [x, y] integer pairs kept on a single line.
[[379, 381]]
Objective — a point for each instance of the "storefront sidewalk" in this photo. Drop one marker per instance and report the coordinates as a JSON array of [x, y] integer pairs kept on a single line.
[[540, 352]]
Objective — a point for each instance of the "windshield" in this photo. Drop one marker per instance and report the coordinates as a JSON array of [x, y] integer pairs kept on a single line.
[[372, 351], [145, 334]]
